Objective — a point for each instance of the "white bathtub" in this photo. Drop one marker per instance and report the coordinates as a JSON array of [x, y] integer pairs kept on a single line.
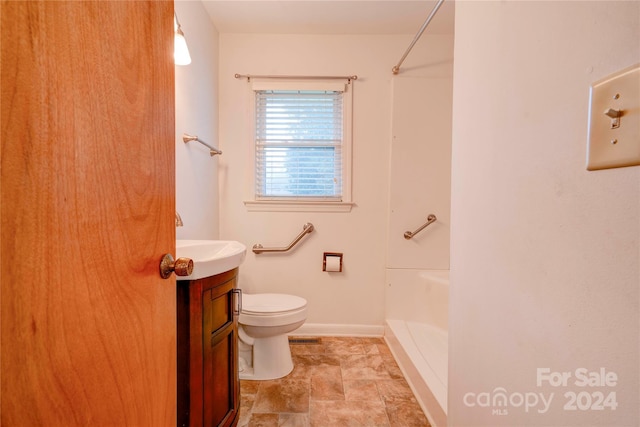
[[417, 303]]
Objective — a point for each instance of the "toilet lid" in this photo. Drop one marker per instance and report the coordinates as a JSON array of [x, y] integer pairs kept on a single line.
[[271, 303]]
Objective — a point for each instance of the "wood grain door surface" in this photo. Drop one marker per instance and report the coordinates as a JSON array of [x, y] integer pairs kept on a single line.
[[87, 208]]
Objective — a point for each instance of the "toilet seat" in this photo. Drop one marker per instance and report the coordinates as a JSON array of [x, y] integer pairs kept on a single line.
[[270, 304], [270, 310]]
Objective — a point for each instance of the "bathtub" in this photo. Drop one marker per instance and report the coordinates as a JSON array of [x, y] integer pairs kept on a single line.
[[416, 331]]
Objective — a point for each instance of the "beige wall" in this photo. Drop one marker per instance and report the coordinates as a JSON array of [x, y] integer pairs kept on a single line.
[[420, 173], [197, 114], [352, 301], [545, 255]]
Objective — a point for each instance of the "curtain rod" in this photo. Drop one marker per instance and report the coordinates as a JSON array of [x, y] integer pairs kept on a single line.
[[396, 69], [249, 77]]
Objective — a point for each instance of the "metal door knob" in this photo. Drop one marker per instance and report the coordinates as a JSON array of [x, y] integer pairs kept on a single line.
[[181, 266]]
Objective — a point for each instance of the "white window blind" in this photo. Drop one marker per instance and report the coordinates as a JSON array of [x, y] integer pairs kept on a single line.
[[299, 143]]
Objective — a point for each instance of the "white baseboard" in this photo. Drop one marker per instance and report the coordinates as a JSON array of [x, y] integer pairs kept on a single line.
[[332, 329]]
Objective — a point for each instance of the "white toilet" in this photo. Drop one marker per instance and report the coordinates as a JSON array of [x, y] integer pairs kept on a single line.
[[264, 322]]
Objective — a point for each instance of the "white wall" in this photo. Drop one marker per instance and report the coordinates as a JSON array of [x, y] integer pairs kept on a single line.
[[197, 114], [356, 296], [420, 172], [545, 255]]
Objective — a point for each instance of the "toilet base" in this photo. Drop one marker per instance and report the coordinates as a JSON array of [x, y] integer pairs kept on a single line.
[[273, 357]]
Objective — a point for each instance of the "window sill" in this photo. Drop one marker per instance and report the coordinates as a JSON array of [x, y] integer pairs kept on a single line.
[[297, 206]]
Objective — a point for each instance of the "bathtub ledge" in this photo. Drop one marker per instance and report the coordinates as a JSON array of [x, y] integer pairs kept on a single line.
[[411, 363]]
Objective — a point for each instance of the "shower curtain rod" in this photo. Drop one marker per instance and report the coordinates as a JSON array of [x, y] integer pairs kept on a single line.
[[396, 69], [249, 77]]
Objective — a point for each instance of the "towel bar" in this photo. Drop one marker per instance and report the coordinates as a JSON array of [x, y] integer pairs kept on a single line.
[[212, 150]]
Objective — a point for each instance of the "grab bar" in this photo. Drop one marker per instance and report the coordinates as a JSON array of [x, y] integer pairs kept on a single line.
[[212, 150], [307, 228], [431, 218]]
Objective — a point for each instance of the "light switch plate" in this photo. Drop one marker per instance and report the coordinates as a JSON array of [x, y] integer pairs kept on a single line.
[[614, 142]]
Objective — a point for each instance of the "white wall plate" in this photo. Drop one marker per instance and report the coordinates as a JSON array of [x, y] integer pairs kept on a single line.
[[614, 121]]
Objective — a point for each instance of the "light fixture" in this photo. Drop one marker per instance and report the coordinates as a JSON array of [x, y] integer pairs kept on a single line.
[[180, 50]]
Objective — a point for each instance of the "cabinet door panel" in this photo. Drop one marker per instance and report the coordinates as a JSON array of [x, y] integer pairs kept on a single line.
[[221, 311], [219, 379], [211, 395]]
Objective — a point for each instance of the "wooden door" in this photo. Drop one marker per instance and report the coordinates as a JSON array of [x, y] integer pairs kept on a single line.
[[87, 210]]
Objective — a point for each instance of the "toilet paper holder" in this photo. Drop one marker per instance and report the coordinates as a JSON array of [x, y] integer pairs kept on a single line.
[[331, 268]]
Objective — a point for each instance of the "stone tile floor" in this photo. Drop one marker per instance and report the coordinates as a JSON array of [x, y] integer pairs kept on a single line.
[[340, 381]]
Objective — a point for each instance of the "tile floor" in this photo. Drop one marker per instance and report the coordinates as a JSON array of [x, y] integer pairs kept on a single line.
[[338, 382]]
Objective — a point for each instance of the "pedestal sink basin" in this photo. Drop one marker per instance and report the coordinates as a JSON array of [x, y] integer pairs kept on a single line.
[[210, 257]]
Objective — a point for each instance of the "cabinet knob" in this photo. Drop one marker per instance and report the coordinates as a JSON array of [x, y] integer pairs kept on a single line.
[[181, 266]]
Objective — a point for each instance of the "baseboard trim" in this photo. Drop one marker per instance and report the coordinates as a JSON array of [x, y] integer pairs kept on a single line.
[[332, 329]]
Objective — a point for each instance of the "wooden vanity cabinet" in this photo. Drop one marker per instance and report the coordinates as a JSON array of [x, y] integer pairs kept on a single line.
[[207, 341]]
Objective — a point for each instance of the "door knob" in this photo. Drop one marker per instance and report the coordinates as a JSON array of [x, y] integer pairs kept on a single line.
[[181, 266]]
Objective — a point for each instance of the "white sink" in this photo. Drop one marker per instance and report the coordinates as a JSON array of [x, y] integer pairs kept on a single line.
[[210, 257]]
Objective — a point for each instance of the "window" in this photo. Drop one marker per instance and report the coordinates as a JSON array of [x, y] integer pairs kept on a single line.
[[302, 144]]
